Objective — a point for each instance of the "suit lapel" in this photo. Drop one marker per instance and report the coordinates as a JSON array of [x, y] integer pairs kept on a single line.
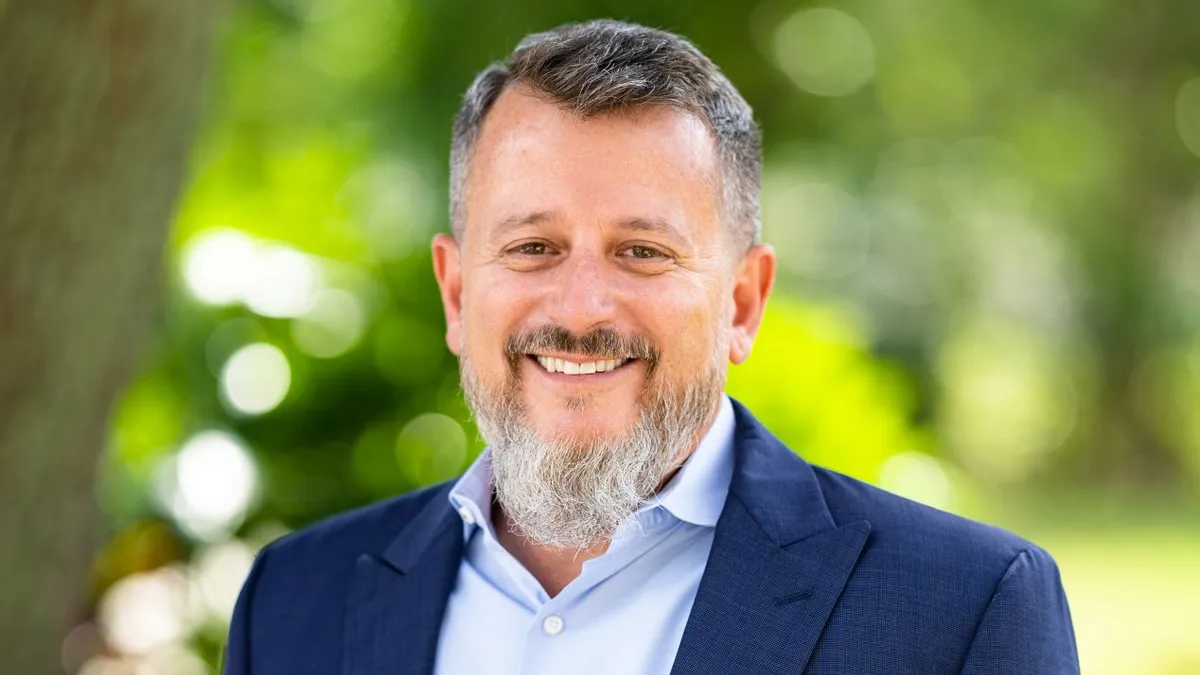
[[777, 567], [396, 601]]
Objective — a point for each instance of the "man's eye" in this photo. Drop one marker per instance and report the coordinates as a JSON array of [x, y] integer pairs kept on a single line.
[[531, 248], [644, 253]]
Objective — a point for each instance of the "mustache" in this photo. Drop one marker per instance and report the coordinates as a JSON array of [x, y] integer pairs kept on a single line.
[[603, 343]]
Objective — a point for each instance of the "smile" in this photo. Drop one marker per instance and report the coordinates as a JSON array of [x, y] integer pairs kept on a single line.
[[556, 365]]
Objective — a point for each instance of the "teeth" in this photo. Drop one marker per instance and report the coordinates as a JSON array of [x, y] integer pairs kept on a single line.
[[553, 365]]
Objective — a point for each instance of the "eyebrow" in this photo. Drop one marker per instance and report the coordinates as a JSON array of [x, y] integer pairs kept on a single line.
[[658, 225], [520, 220], [635, 223]]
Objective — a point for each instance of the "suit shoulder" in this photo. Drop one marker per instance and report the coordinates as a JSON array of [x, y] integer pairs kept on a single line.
[[367, 528], [914, 529]]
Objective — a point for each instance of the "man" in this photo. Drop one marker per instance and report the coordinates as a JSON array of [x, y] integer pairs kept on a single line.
[[628, 517]]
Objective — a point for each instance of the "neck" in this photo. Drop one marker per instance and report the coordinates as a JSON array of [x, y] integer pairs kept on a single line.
[[553, 567]]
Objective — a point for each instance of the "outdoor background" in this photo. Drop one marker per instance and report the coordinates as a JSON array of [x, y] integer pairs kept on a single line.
[[988, 221]]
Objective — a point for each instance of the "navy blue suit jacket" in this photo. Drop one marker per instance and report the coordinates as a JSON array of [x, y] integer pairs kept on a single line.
[[810, 572]]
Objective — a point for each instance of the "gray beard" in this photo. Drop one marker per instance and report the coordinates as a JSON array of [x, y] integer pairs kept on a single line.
[[569, 492]]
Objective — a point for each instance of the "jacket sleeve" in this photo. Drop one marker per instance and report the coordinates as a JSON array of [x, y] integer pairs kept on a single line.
[[1026, 628], [236, 659]]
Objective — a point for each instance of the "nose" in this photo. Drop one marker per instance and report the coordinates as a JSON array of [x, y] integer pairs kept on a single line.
[[584, 292]]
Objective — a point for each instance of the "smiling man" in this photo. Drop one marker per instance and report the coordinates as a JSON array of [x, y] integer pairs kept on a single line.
[[627, 517]]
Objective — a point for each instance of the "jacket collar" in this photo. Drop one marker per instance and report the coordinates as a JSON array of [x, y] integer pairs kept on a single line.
[[409, 548], [776, 486]]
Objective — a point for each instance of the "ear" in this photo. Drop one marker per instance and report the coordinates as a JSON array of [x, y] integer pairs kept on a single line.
[[447, 267], [752, 283]]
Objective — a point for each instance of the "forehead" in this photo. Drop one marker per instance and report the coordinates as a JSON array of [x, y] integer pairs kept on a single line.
[[532, 155]]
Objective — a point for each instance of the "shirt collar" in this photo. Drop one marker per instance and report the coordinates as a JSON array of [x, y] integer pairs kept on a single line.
[[696, 493]]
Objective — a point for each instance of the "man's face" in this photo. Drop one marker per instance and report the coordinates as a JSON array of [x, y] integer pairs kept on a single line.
[[589, 241], [594, 300]]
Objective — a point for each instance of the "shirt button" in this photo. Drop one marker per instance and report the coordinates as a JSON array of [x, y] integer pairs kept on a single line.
[[553, 625], [466, 515]]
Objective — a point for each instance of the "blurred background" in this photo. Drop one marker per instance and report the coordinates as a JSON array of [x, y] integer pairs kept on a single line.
[[987, 216]]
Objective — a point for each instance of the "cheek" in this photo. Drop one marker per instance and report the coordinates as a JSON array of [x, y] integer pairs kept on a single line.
[[683, 323], [493, 308]]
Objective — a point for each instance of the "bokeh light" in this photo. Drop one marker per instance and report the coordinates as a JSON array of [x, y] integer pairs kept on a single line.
[[145, 611], [433, 446], [219, 266], [108, 665], [918, 476], [81, 645], [173, 660], [218, 573], [332, 326], [825, 51], [224, 266], [284, 284], [255, 379], [209, 485]]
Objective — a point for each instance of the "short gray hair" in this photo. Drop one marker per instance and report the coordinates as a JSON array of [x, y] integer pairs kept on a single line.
[[608, 66]]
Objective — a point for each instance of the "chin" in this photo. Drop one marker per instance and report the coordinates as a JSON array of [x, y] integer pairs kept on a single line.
[[582, 421]]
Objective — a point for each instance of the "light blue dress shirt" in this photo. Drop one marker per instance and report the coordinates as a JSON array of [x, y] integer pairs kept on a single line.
[[626, 611]]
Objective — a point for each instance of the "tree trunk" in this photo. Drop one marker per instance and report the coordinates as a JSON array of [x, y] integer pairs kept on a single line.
[[98, 104]]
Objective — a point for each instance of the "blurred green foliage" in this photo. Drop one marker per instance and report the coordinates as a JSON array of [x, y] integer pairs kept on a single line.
[[813, 379], [988, 220]]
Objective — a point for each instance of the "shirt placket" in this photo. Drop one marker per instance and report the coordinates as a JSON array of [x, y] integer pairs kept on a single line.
[[554, 642]]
